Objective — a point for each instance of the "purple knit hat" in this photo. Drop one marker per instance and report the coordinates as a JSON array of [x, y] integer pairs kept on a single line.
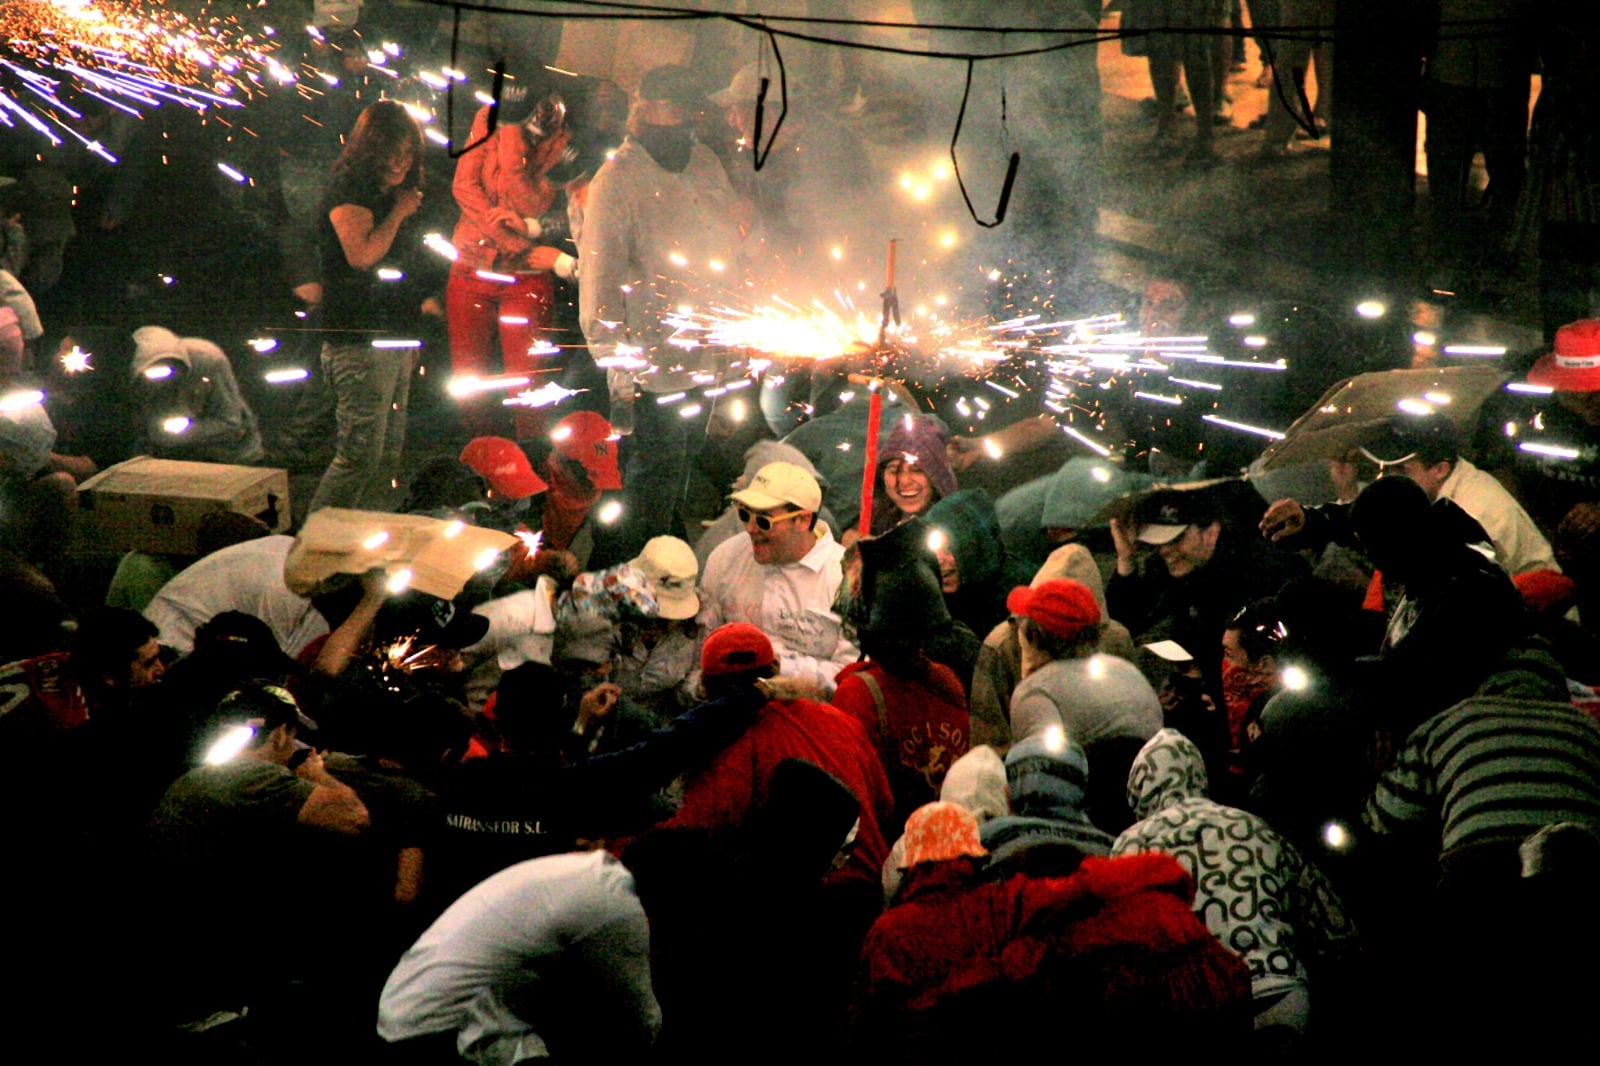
[[921, 439]]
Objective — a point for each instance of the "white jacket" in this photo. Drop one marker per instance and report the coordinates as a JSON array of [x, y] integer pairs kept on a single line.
[[1518, 544], [654, 242], [792, 604]]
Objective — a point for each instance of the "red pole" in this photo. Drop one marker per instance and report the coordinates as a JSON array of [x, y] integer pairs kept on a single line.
[[869, 475]]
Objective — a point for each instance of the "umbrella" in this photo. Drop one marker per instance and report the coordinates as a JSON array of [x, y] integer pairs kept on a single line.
[[1356, 410], [437, 556]]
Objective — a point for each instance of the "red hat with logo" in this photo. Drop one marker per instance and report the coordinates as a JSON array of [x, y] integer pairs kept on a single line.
[[1573, 365], [1062, 608], [504, 465], [735, 648], [586, 438]]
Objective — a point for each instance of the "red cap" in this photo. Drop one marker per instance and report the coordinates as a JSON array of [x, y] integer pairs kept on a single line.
[[1547, 591], [504, 465], [586, 438], [1574, 363], [735, 648], [1063, 607]]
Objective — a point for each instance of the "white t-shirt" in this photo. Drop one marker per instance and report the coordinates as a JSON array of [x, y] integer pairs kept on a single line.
[[558, 916], [244, 577]]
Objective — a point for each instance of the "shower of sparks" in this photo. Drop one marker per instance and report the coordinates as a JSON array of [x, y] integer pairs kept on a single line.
[[782, 330], [922, 348], [77, 361], [546, 395], [130, 56], [399, 654]]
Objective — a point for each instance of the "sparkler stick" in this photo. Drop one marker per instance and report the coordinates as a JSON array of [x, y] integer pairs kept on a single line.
[[869, 474]]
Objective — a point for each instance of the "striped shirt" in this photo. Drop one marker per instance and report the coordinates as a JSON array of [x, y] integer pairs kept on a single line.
[[1492, 770]]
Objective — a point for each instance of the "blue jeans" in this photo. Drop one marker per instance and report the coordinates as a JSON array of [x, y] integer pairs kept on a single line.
[[371, 388]]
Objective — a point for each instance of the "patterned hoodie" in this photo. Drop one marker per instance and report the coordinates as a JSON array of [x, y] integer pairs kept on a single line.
[[1260, 897]]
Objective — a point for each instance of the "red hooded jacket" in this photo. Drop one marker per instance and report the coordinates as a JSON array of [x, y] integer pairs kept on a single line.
[[724, 793]]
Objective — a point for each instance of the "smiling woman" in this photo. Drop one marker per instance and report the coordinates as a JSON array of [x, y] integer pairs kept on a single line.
[[914, 470]]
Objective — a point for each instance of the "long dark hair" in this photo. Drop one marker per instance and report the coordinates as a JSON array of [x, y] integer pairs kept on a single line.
[[380, 131]]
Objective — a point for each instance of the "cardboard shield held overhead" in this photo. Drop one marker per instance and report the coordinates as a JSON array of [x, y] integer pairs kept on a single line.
[[1358, 409], [440, 555]]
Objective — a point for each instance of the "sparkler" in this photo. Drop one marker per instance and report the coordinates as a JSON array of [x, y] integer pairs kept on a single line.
[[546, 395], [398, 654]]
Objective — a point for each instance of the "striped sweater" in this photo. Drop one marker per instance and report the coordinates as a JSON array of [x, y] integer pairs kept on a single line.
[[1490, 771]]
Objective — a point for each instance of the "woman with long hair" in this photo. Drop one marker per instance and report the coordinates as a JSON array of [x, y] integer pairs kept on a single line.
[[375, 186], [509, 248]]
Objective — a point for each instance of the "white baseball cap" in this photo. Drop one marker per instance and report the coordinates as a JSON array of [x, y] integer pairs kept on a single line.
[[779, 483]]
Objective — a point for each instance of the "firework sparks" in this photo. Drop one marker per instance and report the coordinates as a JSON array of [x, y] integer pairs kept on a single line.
[[132, 57], [783, 330], [546, 395], [77, 361]]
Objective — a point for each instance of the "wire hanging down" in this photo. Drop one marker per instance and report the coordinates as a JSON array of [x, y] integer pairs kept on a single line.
[[1011, 166], [758, 156], [450, 93]]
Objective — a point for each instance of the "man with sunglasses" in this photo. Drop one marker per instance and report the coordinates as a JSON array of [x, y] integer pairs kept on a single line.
[[782, 575]]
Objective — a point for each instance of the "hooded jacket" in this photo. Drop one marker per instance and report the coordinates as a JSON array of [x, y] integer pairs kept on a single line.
[[223, 428], [1049, 790], [967, 520], [1257, 894], [922, 440], [505, 173], [976, 781], [1114, 944], [734, 784]]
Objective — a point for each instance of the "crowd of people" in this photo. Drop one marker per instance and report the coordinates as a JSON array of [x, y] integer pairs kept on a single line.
[[1022, 749]]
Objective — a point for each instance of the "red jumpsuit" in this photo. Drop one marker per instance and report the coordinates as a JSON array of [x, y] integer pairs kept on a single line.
[[499, 185]]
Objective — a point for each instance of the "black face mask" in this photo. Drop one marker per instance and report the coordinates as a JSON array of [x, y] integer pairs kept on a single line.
[[669, 146], [569, 167]]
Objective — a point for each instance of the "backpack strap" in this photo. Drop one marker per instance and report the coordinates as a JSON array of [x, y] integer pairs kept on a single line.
[[880, 703]]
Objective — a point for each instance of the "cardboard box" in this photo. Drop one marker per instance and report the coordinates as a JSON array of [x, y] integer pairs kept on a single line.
[[155, 505]]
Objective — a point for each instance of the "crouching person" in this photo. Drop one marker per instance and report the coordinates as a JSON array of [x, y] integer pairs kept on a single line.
[[547, 959]]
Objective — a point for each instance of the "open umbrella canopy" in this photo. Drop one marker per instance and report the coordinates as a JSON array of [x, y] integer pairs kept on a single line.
[[1356, 410]]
